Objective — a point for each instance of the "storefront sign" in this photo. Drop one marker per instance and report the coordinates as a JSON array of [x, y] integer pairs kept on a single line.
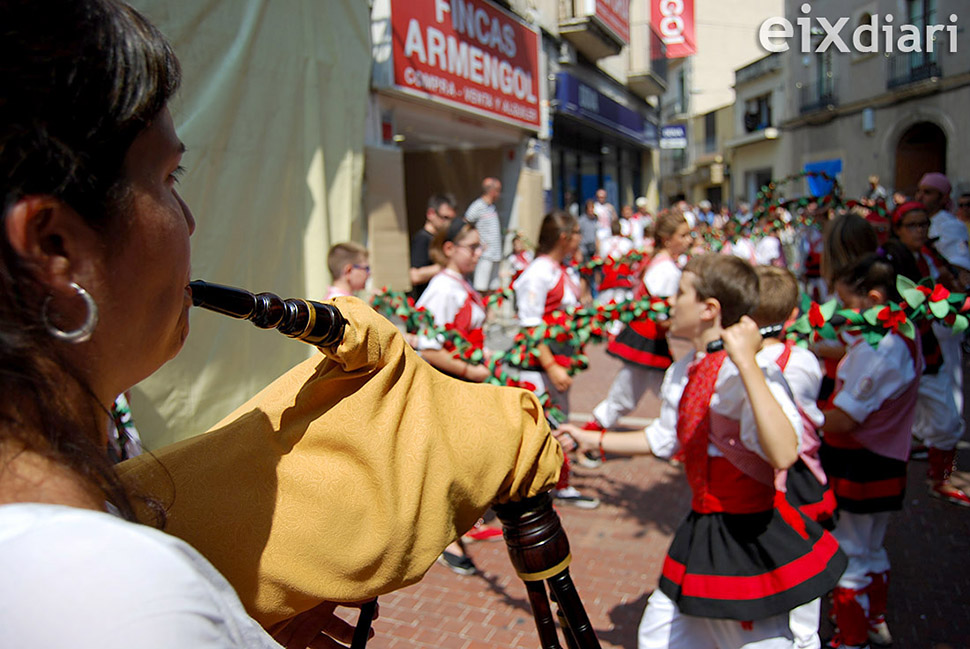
[[674, 20], [467, 53], [580, 100], [673, 137], [615, 14]]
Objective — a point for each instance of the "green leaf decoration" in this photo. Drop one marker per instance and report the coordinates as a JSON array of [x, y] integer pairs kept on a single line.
[[960, 324], [940, 309], [828, 309], [913, 296], [872, 316]]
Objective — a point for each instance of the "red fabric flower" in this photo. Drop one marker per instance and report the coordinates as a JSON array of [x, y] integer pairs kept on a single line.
[[476, 337], [815, 317], [939, 293], [924, 290], [891, 319]]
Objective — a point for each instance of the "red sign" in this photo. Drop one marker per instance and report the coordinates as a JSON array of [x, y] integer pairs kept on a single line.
[[674, 21], [615, 14], [467, 53]]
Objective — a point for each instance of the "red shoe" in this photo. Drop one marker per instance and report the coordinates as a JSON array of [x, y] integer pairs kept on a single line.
[[946, 491], [482, 532]]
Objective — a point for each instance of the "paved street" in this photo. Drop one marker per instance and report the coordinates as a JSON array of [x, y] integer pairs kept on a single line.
[[618, 550]]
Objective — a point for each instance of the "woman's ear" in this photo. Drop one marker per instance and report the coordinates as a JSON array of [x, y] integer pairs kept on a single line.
[[51, 238], [448, 248]]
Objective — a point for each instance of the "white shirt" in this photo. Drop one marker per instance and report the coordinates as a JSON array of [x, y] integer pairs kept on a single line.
[[952, 234], [615, 246], [871, 375], [729, 399], [767, 250], [803, 373], [87, 580], [444, 297], [534, 284], [662, 278]]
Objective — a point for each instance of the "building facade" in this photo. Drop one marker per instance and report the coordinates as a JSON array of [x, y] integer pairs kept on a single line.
[[878, 108], [549, 96]]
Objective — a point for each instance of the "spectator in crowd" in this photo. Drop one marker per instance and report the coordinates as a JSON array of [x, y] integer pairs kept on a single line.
[[483, 214], [949, 237], [705, 213], [875, 192], [589, 227], [605, 214], [639, 223], [440, 212], [348, 267]]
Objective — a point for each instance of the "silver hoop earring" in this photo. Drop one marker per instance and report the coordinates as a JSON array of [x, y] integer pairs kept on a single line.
[[82, 333]]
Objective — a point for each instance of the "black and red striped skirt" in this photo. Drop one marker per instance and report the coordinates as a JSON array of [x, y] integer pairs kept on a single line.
[[809, 496], [644, 343], [749, 566], [864, 482]]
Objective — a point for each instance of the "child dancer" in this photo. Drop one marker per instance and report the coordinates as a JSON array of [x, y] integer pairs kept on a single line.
[[349, 269], [804, 484], [642, 345], [740, 562], [938, 422], [451, 300], [865, 446], [549, 284]]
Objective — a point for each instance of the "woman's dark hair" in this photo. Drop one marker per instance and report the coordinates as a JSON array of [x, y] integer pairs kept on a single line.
[[81, 80], [846, 238], [554, 225], [869, 273]]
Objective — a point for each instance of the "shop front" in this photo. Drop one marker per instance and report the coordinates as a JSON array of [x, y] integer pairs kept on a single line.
[[457, 97], [600, 141]]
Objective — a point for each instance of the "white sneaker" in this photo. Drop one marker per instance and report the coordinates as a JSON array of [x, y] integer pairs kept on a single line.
[[571, 496], [879, 633]]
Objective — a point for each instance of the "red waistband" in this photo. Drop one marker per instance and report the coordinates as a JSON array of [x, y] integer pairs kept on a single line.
[[731, 491]]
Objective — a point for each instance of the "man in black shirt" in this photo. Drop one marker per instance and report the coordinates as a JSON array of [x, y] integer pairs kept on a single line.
[[441, 210]]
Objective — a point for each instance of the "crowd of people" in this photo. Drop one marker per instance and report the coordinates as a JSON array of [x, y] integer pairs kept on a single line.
[[856, 411]]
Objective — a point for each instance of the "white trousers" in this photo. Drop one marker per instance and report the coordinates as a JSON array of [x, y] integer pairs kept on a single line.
[[628, 387], [952, 360], [663, 626], [938, 422], [861, 538]]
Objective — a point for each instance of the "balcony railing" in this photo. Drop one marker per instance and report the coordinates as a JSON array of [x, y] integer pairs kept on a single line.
[[817, 95], [761, 67], [579, 25], [910, 67]]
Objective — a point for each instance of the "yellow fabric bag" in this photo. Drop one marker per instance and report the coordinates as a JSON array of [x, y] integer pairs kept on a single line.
[[346, 477]]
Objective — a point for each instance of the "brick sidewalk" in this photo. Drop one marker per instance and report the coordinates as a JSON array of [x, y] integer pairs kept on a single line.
[[618, 550]]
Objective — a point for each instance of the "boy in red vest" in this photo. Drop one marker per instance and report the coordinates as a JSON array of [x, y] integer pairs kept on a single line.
[[739, 563]]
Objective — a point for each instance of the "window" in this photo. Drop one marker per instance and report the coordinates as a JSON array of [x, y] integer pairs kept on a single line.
[[757, 113], [710, 132]]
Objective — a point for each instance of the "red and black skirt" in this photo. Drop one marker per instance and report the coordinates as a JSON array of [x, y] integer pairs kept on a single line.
[[749, 566], [864, 482], [644, 343], [809, 496]]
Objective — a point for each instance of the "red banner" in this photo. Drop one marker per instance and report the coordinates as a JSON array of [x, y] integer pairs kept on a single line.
[[467, 53], [615, 14], [674, 21]]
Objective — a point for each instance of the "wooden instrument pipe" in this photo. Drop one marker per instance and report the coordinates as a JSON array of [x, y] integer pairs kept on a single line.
[[539, 551], [312, 322]]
